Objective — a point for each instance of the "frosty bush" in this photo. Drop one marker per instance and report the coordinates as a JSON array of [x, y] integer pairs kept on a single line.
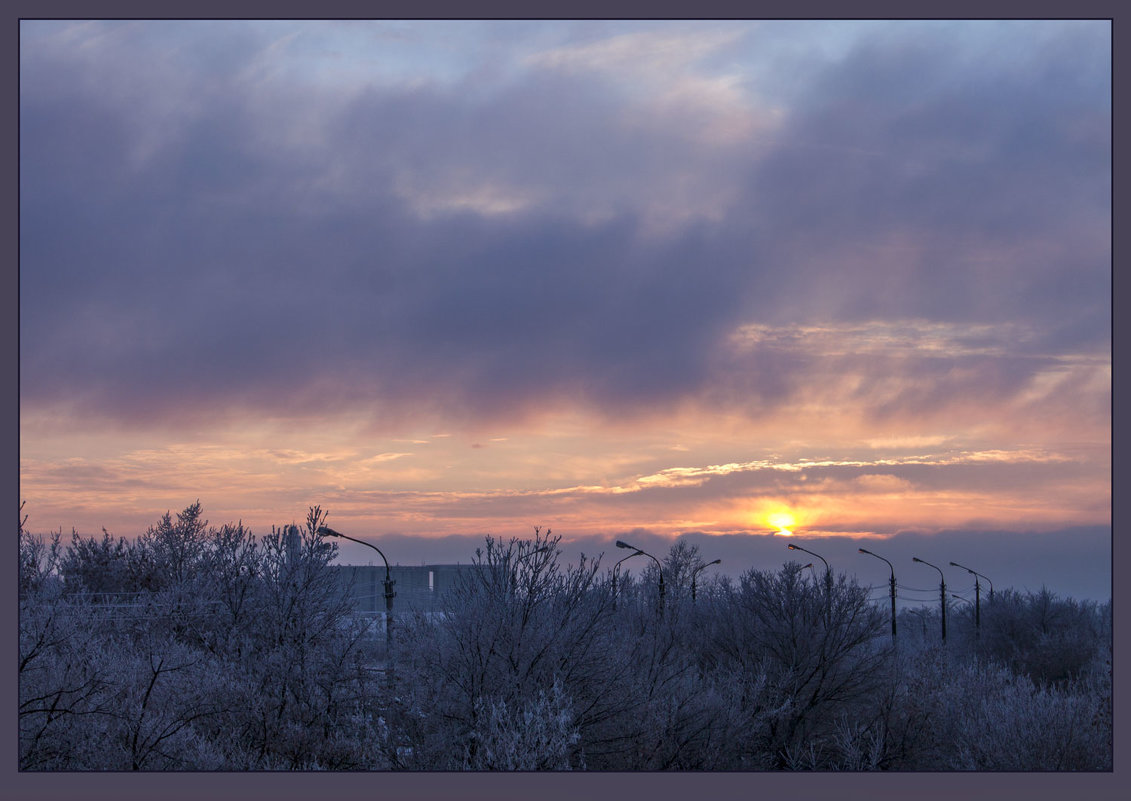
[[537, 735], [1047, 638]]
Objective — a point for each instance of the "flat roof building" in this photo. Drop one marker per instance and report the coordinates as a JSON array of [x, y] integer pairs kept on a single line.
[[418, 588]]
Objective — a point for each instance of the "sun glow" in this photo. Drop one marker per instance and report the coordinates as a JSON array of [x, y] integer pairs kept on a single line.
[[783, 521]]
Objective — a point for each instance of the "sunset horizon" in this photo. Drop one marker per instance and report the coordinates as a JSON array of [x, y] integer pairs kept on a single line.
[[743, 283]]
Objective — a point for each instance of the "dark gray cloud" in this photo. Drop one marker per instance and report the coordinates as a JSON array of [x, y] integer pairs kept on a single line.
[[916, 179], [193, 244]]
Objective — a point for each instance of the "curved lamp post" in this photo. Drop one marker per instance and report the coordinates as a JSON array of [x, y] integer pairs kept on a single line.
[[792, 547], [828, 570], [828, 580], [942, 591], [616, 568], [660, 609], [864, 550], [977, 595], [389, 593], [695, 575]]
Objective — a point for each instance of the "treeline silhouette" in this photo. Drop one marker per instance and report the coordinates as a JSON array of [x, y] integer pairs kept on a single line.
[[202, 648]]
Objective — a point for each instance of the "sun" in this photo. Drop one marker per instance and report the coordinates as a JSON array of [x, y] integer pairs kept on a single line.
[[783, 521]]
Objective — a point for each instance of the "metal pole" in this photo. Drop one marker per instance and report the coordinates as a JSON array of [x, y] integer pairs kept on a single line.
[[977, 595], [828, 578], [977, 607], [892, 582], [942, 592], [695, 575], [616, 568], [389, 595], [660, 567]]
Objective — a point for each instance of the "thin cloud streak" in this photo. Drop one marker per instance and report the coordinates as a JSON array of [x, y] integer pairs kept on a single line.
[[926, 490]]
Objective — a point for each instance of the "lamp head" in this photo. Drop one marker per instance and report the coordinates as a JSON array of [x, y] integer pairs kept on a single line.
[[326, 531], [716, 562], [792, 547], [862, 550], [917, 559], [626, 545]]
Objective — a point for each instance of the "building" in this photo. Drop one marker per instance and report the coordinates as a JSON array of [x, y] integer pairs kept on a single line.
[[418, 588]]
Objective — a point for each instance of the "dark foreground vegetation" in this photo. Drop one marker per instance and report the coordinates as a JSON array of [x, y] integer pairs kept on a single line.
[[197, 648]]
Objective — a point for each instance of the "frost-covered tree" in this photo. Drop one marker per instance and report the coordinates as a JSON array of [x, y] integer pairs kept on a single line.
[[516, 624], [807, 653], [220, 652], [202, 648], [1043, 636], [300, 694]]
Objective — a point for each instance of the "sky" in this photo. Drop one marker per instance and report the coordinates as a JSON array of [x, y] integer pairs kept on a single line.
[[838, 283]]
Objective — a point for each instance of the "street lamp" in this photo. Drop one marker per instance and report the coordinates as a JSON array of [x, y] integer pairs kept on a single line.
[[828, 570], [658, 566], [892, 580], [792, 547], [977, 595], [695, 574], [616, 568], [942, 592], [389, 593], [828, 580]]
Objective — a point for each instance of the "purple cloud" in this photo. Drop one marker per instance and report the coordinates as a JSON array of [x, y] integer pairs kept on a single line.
[[199, 239]]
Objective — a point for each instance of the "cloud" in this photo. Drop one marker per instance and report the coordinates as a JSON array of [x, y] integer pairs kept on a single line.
[[384, 457], [640, 53], [918, 229], [949, 184], [882, 483]]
